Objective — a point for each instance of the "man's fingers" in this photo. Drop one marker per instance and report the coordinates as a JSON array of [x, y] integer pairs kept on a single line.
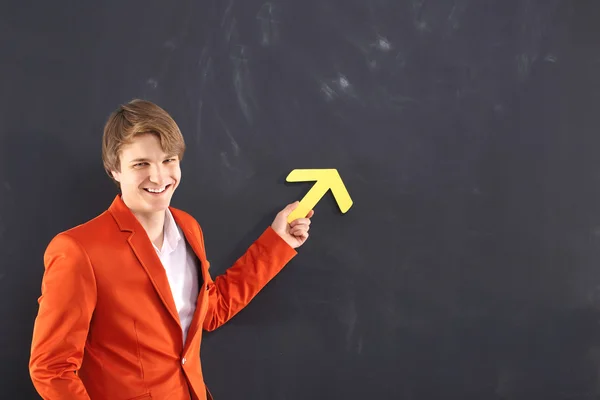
[[300, 234], [299, 230], [300, 221], [297, 227]]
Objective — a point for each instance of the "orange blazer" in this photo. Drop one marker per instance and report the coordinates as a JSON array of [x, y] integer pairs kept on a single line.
[[107, 326]]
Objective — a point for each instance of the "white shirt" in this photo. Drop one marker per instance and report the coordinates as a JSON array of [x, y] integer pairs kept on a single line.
[[181, 266]]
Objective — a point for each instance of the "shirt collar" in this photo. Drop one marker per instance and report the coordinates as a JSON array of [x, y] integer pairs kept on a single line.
[[171, 235]]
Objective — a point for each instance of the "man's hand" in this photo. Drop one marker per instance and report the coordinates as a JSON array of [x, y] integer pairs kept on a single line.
[[296, 232]]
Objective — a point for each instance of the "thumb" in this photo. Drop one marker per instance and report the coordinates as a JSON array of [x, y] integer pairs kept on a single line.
[[289, 208]]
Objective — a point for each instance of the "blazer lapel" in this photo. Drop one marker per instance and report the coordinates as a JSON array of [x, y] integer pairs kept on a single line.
[[145, 253], [194, 241]]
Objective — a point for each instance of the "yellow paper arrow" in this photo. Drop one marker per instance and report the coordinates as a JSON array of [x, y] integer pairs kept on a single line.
[[326, 179]]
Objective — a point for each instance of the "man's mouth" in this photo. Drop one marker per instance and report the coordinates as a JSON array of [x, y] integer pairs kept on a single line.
[[157, 190]]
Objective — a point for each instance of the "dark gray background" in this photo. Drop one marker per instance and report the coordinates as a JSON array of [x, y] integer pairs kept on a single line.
[[466, 133]]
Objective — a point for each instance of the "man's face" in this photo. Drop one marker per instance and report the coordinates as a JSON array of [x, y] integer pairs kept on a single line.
[[148, 176]]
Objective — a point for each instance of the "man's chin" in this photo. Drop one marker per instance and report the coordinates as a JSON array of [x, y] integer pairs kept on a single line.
[[156, 204]]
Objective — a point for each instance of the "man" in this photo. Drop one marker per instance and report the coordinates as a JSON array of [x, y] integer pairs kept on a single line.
[[126, 295]]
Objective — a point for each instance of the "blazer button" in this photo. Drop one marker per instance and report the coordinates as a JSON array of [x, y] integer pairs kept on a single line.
[[183, 361]]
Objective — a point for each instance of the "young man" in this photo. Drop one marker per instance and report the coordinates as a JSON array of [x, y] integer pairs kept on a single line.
[[125, 296]]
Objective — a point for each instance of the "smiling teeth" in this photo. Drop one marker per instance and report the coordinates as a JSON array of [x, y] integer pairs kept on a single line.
[[156, 190]]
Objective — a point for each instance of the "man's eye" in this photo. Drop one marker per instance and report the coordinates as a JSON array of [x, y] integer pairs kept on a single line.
[[139, 164]]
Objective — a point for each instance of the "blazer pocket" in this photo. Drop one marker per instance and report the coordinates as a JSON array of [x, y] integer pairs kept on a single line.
[[139, 353]]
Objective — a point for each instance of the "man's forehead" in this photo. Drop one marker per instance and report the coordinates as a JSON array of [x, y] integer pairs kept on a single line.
[[136, 153], [144, 156]]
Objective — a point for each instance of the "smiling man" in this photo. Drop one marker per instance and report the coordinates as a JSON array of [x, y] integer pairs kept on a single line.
[[125, 296]]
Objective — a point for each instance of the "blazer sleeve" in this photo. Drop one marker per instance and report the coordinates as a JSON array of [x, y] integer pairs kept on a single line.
[[66, 304], [232, 291]]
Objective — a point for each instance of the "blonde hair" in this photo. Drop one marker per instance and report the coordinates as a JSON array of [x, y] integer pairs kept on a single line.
[[135, 118]]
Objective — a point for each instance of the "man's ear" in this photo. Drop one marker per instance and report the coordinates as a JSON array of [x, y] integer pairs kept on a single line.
[[115, 175]]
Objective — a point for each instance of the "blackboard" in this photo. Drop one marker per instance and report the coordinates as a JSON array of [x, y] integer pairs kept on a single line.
[[465, 131]]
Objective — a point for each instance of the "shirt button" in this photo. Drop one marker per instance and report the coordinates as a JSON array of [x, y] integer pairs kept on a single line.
[[183, 361]]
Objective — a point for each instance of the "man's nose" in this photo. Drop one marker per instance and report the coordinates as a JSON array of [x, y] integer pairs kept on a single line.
[[157, 174]]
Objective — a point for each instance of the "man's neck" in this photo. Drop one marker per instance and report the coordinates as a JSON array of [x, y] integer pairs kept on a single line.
[[154, 226]]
